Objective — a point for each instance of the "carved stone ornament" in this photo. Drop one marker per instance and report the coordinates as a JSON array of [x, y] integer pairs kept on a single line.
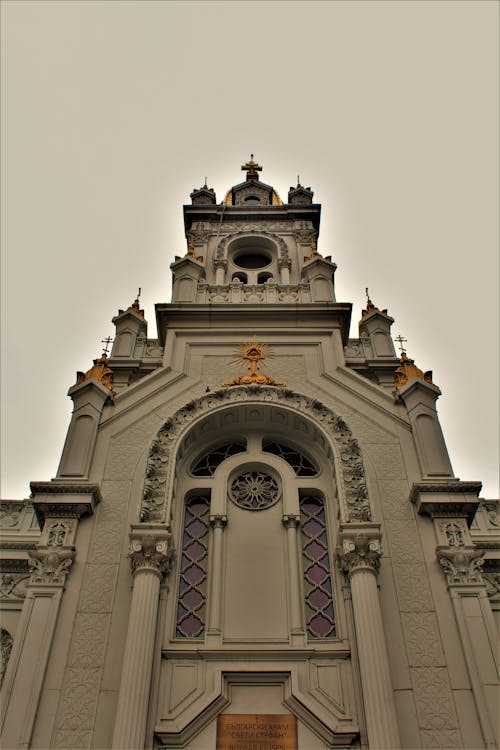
[[10, 514], [50, 565], [151, 551], [359, 549], [13, 586], [462, 565], [221, 249], [6, 642], [350, 469]]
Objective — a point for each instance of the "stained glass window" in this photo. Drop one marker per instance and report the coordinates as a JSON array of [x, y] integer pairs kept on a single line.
[[207, 464], [299, 463], [320, 619], [192, 598]]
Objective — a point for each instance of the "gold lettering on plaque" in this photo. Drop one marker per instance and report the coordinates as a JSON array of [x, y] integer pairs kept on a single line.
[[256, 732]]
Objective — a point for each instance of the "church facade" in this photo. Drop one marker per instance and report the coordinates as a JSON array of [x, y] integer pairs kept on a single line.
[[255, 539]]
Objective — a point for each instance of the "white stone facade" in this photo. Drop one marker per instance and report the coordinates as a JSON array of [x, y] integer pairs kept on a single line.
[[253, 548]]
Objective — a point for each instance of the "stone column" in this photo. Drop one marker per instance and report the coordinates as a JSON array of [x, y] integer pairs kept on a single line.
[[359, 553], [220, 271], [284, 268], [218, 523], [296, 625], [150, 555]]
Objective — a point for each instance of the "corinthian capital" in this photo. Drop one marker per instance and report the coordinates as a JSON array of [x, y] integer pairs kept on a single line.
[[462, 565], [359, 547], [151, 549], [50, 565]]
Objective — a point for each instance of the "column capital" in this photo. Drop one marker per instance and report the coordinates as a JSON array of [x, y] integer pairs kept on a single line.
[[220, 263], [291, 521], [151, 549], [50, 565], [218, 521], [461, 564], [358, 547]]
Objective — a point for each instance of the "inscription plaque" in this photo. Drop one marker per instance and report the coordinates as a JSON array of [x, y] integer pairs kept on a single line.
[[256, 732]]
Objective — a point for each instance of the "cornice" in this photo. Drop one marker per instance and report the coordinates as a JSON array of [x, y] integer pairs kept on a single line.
[[446, 498]]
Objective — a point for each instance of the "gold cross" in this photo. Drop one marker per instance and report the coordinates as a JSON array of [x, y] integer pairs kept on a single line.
[[251, 166]]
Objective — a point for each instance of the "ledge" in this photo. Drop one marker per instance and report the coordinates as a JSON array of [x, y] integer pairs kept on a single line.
[[449, 497]]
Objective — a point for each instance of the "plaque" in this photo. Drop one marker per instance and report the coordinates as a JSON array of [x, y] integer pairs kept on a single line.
[[256, 732]]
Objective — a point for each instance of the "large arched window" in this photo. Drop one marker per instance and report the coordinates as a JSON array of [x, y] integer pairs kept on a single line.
[[253, 259], [234, 573]]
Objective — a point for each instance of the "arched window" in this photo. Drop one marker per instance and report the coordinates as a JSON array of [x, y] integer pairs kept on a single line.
[[234, 542]]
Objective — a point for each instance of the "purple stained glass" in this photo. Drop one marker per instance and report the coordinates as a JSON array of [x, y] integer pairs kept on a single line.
[[320, 617], [192, 596]]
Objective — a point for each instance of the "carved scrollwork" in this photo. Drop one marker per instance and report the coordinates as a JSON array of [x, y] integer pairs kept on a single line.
[[50, 565], [160, 462], [462, 565]]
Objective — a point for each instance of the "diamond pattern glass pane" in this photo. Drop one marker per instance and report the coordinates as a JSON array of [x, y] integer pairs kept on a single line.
[[299, 463], [207, 464], [320, 619], [191, 604]]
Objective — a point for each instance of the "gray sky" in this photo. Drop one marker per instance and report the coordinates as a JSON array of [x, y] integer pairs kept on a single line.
[[112, 112]]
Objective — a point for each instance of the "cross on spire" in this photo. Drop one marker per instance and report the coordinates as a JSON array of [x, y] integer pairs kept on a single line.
[[107, 341], [251, 168], [401, 341]]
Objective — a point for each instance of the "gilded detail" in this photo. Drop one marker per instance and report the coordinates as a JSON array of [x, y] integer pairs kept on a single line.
[[253, 353], [408, 370], [100, 371]]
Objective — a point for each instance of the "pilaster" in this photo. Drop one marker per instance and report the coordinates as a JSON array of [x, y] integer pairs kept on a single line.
[[451, 506], [58, 507]]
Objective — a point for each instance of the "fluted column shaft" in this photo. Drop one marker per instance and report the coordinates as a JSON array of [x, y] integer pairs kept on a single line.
[[359, 554], [150, 557]]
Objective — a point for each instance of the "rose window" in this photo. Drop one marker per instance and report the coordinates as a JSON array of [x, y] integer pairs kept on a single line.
[[254, 490]]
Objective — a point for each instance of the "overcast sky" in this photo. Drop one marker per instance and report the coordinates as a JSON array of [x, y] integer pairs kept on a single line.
[[112, 112]]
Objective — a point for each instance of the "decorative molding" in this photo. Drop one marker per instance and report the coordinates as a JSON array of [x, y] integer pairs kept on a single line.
[[151, 550], [160, 464], [359, 548], [437, 498], [462, 565], [247, 229], [50, 565], [79, 499]]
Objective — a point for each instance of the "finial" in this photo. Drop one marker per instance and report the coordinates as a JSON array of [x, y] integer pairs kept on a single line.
[[205, 183], [107, 341], [401, 348], [407, 369], [298, 181], [251, 168], [99, 371]]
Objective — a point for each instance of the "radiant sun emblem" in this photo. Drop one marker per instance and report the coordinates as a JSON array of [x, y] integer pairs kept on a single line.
[[250, 355]]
